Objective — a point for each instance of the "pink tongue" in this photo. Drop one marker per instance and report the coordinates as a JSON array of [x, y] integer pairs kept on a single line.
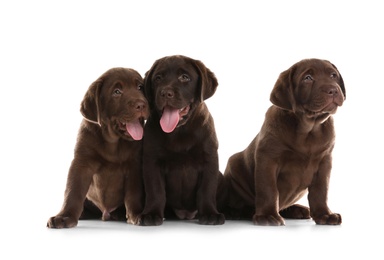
[[169, 119], [135, 130]]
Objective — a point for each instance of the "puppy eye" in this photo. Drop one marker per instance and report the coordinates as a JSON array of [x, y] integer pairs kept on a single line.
[[334, 75], [184, 78], [117, 92], [158, 78], [140, 87], [308, 78]]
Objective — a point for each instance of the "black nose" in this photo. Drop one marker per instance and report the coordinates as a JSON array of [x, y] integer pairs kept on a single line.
[[167, 93]]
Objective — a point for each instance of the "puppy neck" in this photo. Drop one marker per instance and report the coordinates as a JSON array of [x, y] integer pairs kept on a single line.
[[313, 123], [91, 121]]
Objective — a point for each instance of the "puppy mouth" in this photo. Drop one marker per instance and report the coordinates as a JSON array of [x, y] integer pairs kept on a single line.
[[132, 128], [327, 110], [171, 117], [328, 106]]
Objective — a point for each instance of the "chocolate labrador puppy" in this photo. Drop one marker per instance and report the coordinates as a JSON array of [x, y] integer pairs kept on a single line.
[[180, 159], [292, 154], [105, 178]]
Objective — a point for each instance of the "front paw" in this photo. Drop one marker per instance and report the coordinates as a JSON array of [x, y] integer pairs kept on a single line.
[[133, 219], [212, 219], [268, 220], [328, 219], [61, 222], [150, 220]]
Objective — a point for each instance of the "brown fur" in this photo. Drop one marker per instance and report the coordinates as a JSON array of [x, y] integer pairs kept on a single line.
[[180, 168], [104, 179], [292, 154]]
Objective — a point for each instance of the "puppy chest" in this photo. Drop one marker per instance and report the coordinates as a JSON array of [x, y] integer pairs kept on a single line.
[[181, 182], [107, 186], [296, 174], [292, 184], [181, 175]]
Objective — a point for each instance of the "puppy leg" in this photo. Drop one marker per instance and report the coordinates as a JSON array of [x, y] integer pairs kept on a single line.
[[318, 195], [153, 213], [268, 220], [206, 200], [295, 212], [222, 194], [134, 196], [78, 182], [155, 198], [328, 219], [266, 194]]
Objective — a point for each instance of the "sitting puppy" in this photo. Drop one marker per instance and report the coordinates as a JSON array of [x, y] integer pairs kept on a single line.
[[292, 152], [180, 159], [105, 175]]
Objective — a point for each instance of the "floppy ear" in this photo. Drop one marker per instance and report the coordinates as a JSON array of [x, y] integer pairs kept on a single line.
[[148, 84], [208, 84], [89, 107], [282, 93], [341, 82]]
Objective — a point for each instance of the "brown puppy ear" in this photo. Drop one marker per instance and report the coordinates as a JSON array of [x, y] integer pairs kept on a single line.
[[148, 84], [89, 107], [341, 82], [282, 92], [208, 84]]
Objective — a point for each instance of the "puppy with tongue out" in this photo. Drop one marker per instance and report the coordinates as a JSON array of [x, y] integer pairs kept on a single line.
[[171, 117], [104, 180], [180, 160]]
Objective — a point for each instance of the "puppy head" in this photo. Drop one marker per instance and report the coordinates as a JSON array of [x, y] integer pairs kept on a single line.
[[174, 86], [116, 102], [312, 86]]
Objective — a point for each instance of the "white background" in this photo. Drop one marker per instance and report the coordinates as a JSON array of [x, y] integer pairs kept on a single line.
[[51, 51]]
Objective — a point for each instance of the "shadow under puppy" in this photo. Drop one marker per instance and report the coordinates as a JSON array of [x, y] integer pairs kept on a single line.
[[292, 154], [105, 178], [180, 158]]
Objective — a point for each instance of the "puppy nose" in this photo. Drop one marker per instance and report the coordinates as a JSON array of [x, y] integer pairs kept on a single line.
[[139, 106], [168, 93], [333, 92]]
